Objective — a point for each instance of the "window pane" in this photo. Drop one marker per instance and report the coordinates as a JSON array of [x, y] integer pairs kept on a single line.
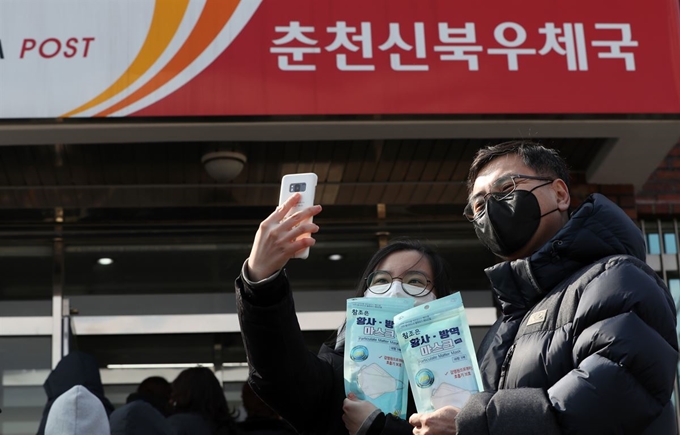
[[25, 365], [26, 287], [653, 245], [674, 286], [670, 245]]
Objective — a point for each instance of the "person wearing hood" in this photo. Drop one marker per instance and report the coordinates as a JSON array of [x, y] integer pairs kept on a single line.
[[76, 368], [139, 417], [307, 389], [77, 412], [586, 343]]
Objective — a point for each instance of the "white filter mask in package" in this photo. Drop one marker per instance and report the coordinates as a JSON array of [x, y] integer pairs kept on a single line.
[[374, 369], [447, 394], [439, 354], [375, 381]]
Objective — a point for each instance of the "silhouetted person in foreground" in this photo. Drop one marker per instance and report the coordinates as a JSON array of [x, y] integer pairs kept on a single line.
[[139, 418], [200, 407], [77, 412], [156, 391]]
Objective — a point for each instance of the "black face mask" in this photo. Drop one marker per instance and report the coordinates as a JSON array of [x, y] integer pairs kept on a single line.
[[508, 224]]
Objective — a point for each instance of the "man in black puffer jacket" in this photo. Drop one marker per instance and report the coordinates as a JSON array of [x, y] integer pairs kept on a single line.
[[586, 343]]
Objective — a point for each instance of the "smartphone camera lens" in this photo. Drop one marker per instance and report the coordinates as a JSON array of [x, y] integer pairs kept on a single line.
[[297, 187]]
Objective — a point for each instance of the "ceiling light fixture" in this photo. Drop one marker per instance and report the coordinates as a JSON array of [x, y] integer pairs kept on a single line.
[[158, 366], [335, 257], [223, 166], [174, 365], [105, 261]]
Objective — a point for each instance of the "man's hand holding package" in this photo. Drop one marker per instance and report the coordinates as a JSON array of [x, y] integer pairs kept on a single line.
[[439, 422]]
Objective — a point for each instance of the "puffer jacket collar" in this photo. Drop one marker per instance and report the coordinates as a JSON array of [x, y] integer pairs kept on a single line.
[[597, 229]]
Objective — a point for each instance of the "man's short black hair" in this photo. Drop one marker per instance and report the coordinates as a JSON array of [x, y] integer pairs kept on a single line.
[[544, 161]]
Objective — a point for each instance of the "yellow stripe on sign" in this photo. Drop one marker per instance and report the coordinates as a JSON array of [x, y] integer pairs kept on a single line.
[[214, 17], [167, 17]]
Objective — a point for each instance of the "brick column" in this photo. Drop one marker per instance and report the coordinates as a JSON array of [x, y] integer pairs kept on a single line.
[[621, 194], [660, 196]]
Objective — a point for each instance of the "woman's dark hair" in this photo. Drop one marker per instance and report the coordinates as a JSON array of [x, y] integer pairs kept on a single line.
[[441, 276], [155, 390], [198, 391]]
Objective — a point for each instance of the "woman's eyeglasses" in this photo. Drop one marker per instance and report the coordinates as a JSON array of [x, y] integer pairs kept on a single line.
[[414, 283]]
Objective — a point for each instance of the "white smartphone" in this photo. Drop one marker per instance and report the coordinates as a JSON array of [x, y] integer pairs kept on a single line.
[[305, 184]]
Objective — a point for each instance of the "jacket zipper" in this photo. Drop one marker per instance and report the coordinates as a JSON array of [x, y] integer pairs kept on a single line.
[[504, 367]]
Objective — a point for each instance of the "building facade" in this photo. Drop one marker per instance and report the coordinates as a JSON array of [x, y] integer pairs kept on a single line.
[[142, 142]]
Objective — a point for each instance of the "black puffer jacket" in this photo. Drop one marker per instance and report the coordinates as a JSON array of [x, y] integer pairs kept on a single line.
[[305, 389], [587, 341]]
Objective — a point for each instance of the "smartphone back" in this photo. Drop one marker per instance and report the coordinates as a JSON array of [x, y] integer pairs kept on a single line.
[[305, 184]]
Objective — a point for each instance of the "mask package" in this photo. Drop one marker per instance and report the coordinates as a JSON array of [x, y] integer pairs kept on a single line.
[[438, 353], [374, 369]]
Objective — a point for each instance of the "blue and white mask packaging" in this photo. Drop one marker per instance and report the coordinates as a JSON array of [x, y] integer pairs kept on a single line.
[[438, 353], [374, 369]]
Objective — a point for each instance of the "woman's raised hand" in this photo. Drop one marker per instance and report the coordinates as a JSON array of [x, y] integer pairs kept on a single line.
[[276, 239]]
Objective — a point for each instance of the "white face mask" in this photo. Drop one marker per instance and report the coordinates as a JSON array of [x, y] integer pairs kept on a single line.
[[374, 381], [396, 291], [447, 394]]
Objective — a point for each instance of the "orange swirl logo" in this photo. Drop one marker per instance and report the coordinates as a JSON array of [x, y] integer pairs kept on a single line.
[[168, 15]]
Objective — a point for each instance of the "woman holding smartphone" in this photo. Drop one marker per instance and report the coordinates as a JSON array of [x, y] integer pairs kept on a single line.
[[304, 388]]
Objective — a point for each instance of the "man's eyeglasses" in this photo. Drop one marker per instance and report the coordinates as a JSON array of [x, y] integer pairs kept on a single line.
[[501, 189], [413, 283]]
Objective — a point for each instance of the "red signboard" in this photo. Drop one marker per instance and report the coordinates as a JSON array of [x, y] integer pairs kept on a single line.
[[443, 56], [320, 57]]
